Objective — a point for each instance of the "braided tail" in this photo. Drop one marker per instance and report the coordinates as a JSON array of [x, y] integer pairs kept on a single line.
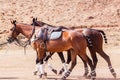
[[102, 32]]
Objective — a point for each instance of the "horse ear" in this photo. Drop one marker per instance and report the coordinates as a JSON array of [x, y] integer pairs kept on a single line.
[[13, 22], [36, 18], [33, 20]]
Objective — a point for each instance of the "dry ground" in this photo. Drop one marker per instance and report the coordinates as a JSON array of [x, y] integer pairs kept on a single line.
[[14, 65]]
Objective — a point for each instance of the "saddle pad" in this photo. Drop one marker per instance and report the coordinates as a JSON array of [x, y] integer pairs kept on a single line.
[[55, 35]]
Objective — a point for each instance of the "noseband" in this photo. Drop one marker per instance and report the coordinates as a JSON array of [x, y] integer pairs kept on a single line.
[[11, 38]]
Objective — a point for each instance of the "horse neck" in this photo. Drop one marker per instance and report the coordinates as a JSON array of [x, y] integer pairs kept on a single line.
[[26, 30]]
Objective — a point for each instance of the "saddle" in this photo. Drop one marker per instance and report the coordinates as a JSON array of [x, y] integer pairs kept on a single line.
[[49, 33]]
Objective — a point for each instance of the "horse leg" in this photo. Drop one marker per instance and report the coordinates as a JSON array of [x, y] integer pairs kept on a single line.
[[45, 60], [68, 56], [89, 61], [63, 61], [36, 67], [107, 59], [40, 62], [64, 68], [49, 65], [73, 63], [85, 67], [41, 69], [94, 57]]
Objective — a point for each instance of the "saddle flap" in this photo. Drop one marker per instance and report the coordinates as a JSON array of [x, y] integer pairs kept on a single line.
[[55, 35]]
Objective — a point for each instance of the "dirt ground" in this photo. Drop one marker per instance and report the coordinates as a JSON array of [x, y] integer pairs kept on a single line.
[[100, 14], [15, 65]]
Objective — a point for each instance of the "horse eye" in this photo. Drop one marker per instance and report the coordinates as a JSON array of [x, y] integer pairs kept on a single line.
[[11, 29]]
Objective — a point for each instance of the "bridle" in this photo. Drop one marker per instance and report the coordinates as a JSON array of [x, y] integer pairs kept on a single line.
[[12, 39]]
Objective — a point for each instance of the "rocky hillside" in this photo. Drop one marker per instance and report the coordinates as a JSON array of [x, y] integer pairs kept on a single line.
[[61, 12]]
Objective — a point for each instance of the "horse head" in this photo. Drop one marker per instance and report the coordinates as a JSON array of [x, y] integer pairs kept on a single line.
[[13, 32]]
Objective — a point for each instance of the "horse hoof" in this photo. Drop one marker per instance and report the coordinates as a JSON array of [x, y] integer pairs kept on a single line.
[[114, 74], [55, 71], [85, 74], [35, 73], [93, 78], [60, 73], [63, 78], [43, 75], [88, 77]]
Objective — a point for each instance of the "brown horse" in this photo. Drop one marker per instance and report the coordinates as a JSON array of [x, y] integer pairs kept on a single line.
[[95, 44], [70, 39]]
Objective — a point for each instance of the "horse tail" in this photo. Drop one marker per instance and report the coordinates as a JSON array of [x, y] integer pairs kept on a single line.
[[104, 35]]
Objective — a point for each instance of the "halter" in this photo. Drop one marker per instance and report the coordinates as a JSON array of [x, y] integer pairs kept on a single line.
[[11, 38]]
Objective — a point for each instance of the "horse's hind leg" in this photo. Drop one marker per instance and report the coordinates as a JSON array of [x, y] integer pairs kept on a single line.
[[89, 61], [94, 56], [107, 59], [85, 67]]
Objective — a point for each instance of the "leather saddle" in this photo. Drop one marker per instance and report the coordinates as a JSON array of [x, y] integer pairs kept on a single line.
[[49, 33]]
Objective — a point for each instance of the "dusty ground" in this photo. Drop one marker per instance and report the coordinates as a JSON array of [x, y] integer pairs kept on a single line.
[[14, 65], [102, 14]]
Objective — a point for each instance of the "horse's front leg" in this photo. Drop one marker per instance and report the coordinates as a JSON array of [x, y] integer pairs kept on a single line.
[[36, 67], [41, 69], [67, 73], [48, 64], [85, 67]]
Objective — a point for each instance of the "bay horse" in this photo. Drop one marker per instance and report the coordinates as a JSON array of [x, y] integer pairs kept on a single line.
[[95, 44], [70, 39]]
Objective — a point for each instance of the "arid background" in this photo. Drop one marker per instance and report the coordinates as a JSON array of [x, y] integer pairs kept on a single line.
[[100, 14]]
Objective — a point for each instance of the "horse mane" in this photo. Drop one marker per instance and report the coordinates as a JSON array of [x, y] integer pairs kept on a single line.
[[24, 24], [41, 23]]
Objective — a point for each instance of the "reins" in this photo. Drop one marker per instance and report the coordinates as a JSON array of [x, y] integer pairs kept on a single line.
[[28, 41]]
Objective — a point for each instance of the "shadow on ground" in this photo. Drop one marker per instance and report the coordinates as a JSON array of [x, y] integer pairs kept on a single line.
[[8, 78], [79, 78]]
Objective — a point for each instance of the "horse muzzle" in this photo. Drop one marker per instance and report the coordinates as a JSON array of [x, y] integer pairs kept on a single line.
[[10, 39]]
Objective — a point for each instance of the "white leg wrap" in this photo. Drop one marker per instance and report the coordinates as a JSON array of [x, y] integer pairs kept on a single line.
[[50, 66], [37, 67], [41, 69], [65, 66]]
